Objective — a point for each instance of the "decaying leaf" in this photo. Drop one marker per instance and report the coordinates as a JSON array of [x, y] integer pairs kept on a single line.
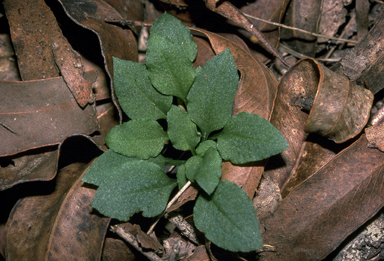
[[114, 41], [20, 168], [116, 249], [57, 224], [365, 62], [304, 15], [322, 211], [336, 113], [55, 54], [33, 118], [375, 136], [269, 10], [340, 109]]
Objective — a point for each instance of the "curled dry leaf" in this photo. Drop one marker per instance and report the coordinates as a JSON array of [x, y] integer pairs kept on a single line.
[[255, 94], [336, 113], [58, 226], [322, 211], [340, 109]]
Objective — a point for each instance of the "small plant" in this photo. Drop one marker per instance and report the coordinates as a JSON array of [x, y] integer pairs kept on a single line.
[[130, 176]]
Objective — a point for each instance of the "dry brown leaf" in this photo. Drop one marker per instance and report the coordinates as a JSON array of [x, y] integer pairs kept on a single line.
[[271, 10], [37, 165], [365, 62], [142, 238], [116, 249], [40, 113], [323, 210], [375, 136], [340, 108], [305, 15], [114, 41], [336, 113], [58, 226], [34, 30]]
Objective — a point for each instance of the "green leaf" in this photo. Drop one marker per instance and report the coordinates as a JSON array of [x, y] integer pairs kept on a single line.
[[228, 218], [204, 146], [206, 171], [137, 97], [181, 176], [108, 162], [141, 139], [135, 186], [175, 31], [170, 52], [163, 161], [248, 137], [181, 130], [210, 99]]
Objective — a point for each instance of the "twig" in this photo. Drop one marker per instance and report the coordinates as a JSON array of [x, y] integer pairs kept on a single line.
[[301, 30], [173, 200], [128, 22], [301, 56], [378, 117], [229, 11]]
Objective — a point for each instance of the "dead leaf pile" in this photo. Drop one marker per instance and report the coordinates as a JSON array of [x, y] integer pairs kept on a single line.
[[314, 72]]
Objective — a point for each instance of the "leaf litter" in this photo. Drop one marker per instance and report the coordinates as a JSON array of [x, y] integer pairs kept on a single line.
[[342, 188]]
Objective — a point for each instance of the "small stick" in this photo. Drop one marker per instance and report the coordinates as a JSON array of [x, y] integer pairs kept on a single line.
[[128, 22], [173, 200], [300, 30]]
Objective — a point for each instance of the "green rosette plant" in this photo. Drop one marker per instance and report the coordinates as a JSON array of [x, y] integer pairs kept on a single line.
[[130, 176]]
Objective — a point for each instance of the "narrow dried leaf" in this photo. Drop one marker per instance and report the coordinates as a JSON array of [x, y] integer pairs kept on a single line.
[[271, 10], [24, 168]]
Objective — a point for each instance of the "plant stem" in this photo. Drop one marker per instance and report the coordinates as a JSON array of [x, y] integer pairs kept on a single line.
[[170, 203]]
